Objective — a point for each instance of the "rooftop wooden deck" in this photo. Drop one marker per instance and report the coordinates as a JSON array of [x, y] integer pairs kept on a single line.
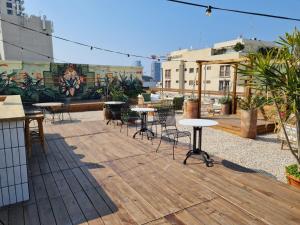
[[93, 174]]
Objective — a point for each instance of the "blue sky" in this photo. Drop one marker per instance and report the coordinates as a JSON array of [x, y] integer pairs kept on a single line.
[[149, 27]]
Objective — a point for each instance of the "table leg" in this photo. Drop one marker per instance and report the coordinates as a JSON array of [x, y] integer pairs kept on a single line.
[[144, 128], [197, 150]]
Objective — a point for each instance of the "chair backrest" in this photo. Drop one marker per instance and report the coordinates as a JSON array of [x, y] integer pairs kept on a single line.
[[166, 116]]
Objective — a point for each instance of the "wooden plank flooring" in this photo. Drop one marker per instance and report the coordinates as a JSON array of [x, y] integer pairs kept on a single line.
[[93, 174]]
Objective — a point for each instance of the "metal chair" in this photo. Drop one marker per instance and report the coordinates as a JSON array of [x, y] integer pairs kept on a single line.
[[128, 117], [169, 129]]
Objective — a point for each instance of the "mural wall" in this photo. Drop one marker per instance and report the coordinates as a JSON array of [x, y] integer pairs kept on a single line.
[[71, 80]]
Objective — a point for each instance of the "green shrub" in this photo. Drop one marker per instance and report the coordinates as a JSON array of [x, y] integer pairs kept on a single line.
[[238, 47], [147, 97], [178, 103], [252, 102], [293, 170], [225, 100]]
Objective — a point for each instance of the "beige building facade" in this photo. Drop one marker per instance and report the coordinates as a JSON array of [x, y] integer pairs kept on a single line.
[[180, 71]]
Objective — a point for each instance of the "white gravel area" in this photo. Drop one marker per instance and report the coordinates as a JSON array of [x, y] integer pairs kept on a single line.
[[262, 154]]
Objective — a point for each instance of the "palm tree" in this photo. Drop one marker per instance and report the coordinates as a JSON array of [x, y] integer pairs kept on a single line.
[[278, 72]]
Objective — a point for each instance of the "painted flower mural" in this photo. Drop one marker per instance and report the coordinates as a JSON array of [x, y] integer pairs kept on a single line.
[[71, 81]]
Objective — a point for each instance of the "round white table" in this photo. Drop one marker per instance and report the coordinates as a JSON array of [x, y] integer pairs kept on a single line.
[[48, 106], [144, 128], [115, 108], [197, 125]]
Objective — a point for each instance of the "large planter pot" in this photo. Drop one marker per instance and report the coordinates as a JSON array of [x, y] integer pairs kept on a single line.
[[293, 181], [248, 123], [225, 109], [192, 108]]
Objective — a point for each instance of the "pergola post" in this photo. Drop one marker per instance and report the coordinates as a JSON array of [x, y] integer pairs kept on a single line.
[[234, 97], [199, 88]]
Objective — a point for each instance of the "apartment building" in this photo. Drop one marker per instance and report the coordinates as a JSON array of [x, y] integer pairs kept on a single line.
[[180, 71], [13, 38]]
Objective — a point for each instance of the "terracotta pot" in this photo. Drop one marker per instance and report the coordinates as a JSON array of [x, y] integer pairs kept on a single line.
[[225, 109], [248, 123], [192, 109], [293, 181]]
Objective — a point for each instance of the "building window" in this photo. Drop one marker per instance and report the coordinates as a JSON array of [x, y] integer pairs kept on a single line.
[[191, 82], [9, 5], [9, 12], [185, 69], [167, 84], [224, 85], [225, 71], [191, 70], [208, 68], [167, 74], [177, 70], [177, 81]]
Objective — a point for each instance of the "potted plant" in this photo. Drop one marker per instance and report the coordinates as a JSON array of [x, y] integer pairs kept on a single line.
[[277, 71], [225, 102], [249, 106], [239, 47], [192, 107]]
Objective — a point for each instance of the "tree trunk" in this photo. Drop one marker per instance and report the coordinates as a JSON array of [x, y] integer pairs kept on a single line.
[[284, 130]]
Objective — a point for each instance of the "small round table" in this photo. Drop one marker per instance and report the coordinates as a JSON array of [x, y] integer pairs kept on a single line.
[[197, 125], [115, 107], [48, 106], [144, 128]]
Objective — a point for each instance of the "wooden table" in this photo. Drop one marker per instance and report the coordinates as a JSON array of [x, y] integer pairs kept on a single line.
[[197, 125], [144, 128]]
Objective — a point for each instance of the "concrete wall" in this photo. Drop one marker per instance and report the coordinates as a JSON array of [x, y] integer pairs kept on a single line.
[[25, 38]]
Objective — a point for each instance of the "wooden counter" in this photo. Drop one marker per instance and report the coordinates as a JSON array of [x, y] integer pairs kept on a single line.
[[11, 108]]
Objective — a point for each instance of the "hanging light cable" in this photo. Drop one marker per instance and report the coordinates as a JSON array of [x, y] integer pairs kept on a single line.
[[234, 10]]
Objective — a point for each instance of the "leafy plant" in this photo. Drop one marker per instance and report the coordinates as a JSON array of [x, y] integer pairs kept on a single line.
[[93, 93], [118, 95], [8, 85], [293, 170], [238, 47], [178, 103], [252, 102], [279, 73], [225, 100]]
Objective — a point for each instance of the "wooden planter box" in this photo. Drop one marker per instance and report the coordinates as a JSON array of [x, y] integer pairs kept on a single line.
[[293, 181], [249, 123]]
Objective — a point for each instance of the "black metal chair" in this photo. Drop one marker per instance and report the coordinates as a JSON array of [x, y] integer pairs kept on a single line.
[[169, 129], [128, 117]]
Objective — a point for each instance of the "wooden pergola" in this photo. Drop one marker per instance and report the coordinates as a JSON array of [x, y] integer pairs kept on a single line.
[[232, 62]]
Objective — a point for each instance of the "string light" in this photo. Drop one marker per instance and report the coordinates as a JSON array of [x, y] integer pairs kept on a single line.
[[75, 42], [209, 8], [32, 51], [208, 11]]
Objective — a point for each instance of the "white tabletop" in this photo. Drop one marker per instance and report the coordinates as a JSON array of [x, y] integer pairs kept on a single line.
[[143, 109], [198, 122], [114, 103], [48, 104]]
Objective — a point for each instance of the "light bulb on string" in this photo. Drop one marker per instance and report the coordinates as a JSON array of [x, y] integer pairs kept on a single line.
[[208, 11]]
